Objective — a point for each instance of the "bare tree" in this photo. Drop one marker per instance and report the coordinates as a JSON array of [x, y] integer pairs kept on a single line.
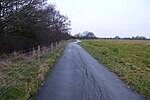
[[27, 23]]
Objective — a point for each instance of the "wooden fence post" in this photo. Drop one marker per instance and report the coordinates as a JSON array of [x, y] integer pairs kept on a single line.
[[15, 55], [34, 52], [39, 54], [56, 46], [52, 47]]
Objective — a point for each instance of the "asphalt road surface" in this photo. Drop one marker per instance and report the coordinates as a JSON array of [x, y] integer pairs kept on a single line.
[[78, 76]]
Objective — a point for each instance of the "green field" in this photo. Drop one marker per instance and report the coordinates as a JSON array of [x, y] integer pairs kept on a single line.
[[130, 59]]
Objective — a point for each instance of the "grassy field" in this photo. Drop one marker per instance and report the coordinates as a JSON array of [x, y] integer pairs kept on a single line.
[[24, 77], [130, 59]]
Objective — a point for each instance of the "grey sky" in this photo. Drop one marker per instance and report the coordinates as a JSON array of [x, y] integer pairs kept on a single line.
[[107, 18]]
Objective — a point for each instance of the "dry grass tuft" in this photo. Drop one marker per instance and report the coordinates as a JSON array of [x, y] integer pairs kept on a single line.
[[42, 71]]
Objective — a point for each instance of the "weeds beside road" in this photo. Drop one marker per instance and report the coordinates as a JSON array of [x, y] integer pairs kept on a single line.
[[128, 58], [21, 78]]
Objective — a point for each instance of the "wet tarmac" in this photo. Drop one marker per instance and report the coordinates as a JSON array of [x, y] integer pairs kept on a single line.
[[78, 76]]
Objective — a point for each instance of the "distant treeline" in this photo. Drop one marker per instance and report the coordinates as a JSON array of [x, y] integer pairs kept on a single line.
[[28, 23], [85, 35], [128, 38], [91, 35]]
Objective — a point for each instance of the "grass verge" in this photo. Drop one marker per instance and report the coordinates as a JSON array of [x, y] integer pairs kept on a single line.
[[26, 76], [128, 58]]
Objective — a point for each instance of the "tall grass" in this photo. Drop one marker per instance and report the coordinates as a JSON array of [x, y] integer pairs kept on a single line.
[[21, 78]]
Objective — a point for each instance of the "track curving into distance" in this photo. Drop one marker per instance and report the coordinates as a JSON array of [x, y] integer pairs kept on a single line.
[[78, 76]]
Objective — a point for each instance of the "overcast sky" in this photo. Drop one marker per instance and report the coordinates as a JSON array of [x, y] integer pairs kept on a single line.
[[107, 18]]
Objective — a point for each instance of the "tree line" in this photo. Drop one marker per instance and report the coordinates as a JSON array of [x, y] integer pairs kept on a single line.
[[128, 38], [28, 23], [85, 35]]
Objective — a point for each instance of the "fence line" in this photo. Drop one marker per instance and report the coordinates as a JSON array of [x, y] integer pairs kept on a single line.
[[28, 54], [32, 52]]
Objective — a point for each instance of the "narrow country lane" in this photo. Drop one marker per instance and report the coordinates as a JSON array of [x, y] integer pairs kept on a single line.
[[78, 76]]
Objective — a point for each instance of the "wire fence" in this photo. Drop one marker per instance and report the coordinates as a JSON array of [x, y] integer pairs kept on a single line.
[[11, 72], [32, 52]]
